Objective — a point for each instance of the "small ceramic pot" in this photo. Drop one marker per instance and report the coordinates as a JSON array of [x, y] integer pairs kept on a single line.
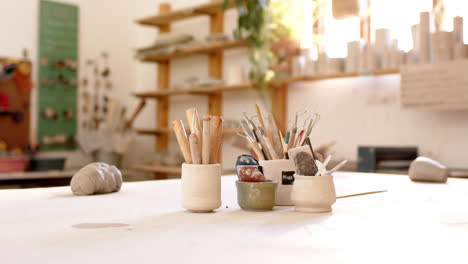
[[313, 194], [282, 171], [201, 187], [256, 196]]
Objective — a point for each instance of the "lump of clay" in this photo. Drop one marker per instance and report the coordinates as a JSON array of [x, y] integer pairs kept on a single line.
[[96, 178], [426, 169]]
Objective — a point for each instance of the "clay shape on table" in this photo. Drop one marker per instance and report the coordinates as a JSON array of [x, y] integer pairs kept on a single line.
[[96, 178], [426, 169], [246, 160], [250, 173], [305, 164]]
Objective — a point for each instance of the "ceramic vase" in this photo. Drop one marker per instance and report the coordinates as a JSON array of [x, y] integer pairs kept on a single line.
[[313, 194], [282, 171], [201, 187]]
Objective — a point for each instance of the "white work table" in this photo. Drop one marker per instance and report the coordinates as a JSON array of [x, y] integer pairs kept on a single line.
[[144, 223]]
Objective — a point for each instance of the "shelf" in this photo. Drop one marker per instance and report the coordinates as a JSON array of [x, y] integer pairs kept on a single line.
[[209, 47], [185, 13], [155, 132], [195, 91], [245, 86]]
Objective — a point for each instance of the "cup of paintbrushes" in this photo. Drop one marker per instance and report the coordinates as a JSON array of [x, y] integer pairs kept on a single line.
[[201, 172]]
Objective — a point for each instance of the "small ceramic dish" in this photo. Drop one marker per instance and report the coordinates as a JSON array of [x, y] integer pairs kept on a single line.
[[256, 196]]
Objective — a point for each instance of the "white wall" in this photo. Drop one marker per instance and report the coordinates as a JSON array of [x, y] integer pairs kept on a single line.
[[354, 111]]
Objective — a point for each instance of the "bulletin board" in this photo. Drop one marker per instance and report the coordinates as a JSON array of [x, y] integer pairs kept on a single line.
[[15, 102], [57, 93]]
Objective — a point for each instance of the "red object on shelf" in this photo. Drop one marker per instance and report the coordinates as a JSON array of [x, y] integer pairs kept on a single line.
[[13, 163], [4, 106]]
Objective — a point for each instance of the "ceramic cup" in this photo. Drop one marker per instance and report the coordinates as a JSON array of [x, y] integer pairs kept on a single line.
[[256, 196], [313, 194], [201, 187], [282, 171]]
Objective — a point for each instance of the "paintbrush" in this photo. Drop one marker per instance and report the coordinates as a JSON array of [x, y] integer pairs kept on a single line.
[[179, 131], [216, 133], [194, 123], [206, 145], [195, 149]]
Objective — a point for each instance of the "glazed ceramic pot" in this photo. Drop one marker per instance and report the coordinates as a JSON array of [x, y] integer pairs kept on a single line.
[[201, 187], [282, 171], [256, 196], [313, 194]]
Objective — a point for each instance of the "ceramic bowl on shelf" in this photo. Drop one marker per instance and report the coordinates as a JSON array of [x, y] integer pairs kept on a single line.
[[256, 196], [313, 194]]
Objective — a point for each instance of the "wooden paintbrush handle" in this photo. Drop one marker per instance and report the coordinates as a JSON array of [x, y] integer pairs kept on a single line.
[[195, 149], [181, 136], [206, 145], [216, 132]]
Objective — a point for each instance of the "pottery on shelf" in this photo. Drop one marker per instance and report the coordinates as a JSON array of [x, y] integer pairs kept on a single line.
[[282, 171], [313, 194], [201, 187], [256, 196]]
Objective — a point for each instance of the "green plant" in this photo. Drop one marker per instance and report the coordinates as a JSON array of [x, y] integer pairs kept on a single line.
[[261, 23]]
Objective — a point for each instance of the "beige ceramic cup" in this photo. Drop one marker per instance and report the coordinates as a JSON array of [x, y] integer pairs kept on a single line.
[[201, 187], [313, 194]]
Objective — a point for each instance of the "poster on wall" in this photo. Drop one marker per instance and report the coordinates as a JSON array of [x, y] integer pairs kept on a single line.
[[57, 81]]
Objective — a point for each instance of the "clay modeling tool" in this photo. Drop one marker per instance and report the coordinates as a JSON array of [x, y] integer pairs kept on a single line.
[[216, 133], [262, 123], [337, 167], [206, 145], [312, 124], [257, 150], [249, 131], [254, 146], [358, 194], [269, 146], [292, 135], [322, 167], [195, 148], [307, 142], [179, 131], [299, 137], [277, 142], [262, 143], [194, 121]]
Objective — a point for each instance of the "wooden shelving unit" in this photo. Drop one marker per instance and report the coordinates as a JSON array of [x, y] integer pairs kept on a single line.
[[214, 51]]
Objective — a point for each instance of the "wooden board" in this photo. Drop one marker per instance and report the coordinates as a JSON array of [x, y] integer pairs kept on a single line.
[[15, 134], [207, 48], [441, 85], [58, 42]]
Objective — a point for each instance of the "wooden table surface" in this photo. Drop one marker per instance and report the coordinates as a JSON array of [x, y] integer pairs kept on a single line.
[[144, 223]]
